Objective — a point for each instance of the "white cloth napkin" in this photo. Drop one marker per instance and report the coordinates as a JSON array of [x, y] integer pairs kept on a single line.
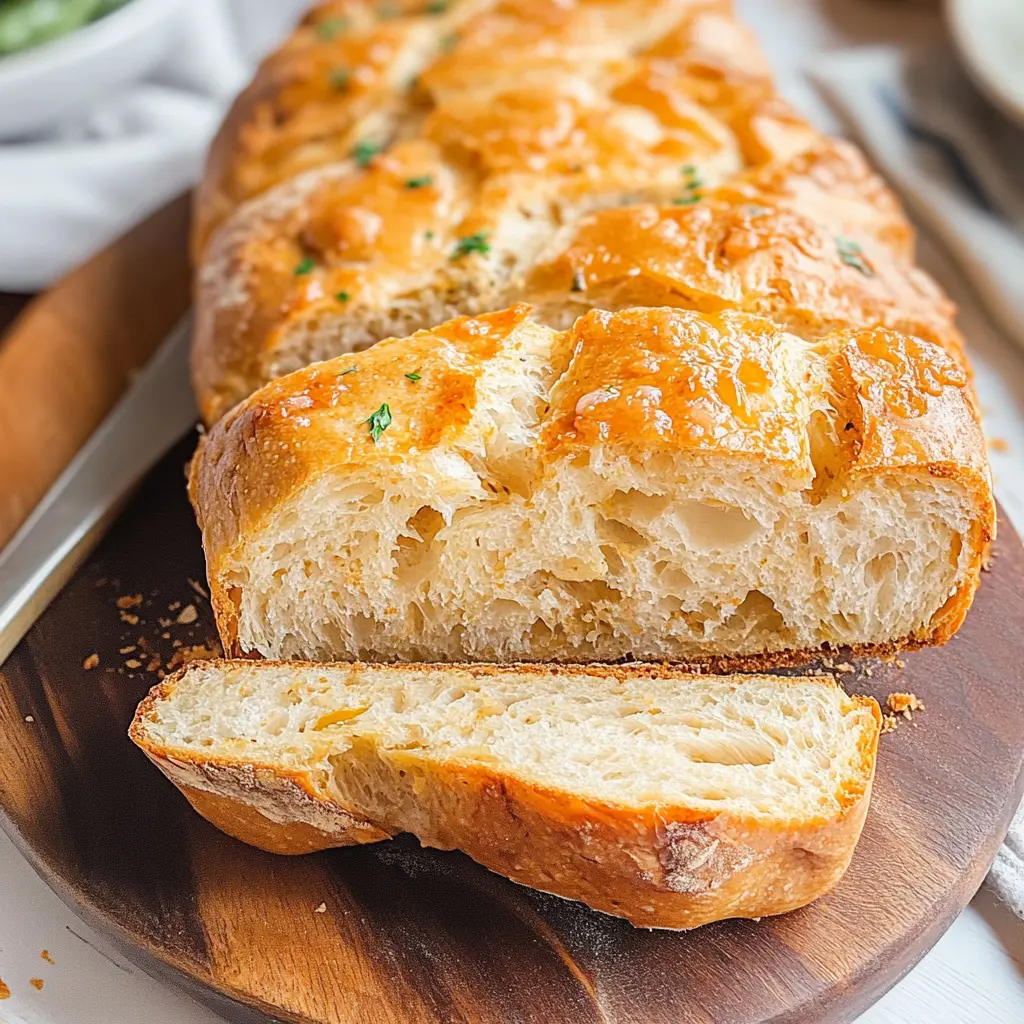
[[957, 162], [65, 196]]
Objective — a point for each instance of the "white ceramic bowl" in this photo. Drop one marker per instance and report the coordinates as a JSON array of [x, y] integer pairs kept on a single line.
[[41, 86], [989, 35]]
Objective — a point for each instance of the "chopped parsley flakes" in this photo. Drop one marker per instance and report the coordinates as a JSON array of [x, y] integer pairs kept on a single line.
[[692, 184], [421, 182], [379, 422], [413, 377], [331, 28], [305, 266], [340, 79], [471, 243], [342, 296], [853, 256], [351, 369], [363, 152], [437, 7]]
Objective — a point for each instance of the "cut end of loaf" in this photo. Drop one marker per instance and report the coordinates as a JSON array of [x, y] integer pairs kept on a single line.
[[666, 798], [653, 483]]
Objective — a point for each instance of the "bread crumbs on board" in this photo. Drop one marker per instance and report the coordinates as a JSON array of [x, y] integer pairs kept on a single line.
[[5, 992], [196, 652], [322, 909], [187, 615], [36, 983], [903, 704], [899, 705], [45, 955], [91, 662]]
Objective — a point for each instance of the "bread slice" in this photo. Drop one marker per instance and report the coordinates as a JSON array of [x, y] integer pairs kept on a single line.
[[654, 484], [671, 800]]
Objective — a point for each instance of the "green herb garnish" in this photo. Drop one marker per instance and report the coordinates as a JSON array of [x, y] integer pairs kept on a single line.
[[422, 182], [344, 373], [413, 377], [448, 41], [437, 7], [428, 235], [305, 266], [379, 422], [853, 256], [363, 152], [693, 185], [340, 79], [331, 28], [471, 243], [342, 296]]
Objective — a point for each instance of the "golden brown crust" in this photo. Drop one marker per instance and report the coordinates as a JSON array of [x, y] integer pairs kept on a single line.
[[662, 867], [591, 105]]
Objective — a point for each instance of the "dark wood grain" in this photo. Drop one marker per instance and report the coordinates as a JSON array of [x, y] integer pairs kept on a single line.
[[423, 937]]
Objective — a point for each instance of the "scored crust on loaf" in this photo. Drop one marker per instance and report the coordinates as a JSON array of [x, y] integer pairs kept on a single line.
[[387, 206], [652, 484], [667, 799]]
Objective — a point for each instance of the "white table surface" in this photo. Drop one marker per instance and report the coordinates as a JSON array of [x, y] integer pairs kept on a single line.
[[976, 971]]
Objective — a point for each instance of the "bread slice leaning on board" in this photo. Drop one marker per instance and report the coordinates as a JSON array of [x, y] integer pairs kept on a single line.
[[668, 799], [652, 483]]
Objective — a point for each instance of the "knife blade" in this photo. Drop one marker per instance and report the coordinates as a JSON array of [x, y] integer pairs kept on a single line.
[[151, 416]]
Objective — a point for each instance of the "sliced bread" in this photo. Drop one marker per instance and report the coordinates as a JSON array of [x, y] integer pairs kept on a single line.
[[669, 799]]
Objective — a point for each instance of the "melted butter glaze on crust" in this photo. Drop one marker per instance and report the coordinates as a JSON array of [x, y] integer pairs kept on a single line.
[[752, 255], [666, 378]]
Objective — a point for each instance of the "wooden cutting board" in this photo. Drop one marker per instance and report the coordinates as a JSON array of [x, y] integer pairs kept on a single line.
[[392, 933]]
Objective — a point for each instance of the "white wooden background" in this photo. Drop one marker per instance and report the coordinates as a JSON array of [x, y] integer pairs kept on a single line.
[[974, 974]]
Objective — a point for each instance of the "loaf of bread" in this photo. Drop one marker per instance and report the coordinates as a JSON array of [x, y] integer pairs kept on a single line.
[[667, 799], [704, 405]]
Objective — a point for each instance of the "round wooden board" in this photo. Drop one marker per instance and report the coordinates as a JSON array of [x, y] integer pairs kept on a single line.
[[412, 936]]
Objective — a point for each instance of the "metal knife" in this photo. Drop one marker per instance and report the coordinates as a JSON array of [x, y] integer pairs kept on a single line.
[[151, 416]]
